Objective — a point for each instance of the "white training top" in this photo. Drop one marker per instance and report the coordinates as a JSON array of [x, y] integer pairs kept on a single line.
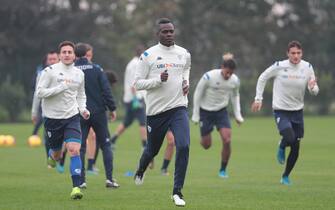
[[36, 101], [62, 89], [213, 93], [129, 78], [289, 85], [163, 96]]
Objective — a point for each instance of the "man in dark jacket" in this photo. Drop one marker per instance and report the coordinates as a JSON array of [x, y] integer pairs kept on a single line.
[[99, 99]]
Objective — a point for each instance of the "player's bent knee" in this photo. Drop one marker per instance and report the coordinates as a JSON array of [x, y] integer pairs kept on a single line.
[[288, 135], [226, 141], [183, 148], [73, 148]]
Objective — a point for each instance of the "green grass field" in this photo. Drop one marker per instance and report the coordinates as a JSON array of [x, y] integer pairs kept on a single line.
[[26, 183]]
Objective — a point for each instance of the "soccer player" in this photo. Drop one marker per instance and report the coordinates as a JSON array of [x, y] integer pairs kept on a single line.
[[163, 71], [168, 153], [99, 97], [133, 101], [62, 90], [36, 112], [291, 77], [210, 101]]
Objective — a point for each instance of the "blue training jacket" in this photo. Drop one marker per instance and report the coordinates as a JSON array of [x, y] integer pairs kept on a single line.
[[97, 88]]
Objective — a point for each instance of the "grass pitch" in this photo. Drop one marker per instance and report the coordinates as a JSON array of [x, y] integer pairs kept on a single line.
[[26, 183]]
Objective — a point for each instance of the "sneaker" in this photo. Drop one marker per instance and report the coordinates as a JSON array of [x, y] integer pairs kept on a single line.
[[165, 172], [95, 169], [91, 172], [281, 155], [285, 180], [76, 194], [51, 162], [83, 185], [178, 199], [139, 178], [59, 168], [223, 174], [112, 184]]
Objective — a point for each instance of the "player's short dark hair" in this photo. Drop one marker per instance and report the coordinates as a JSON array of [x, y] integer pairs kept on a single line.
[[162, 21], [228, 61], [65, 43], [52, 52], [294, 43], [45, 57], [80, 49], [230, 64], [111, 76]]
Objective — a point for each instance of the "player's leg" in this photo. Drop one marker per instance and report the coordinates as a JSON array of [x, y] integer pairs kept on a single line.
[[139, 114], [73, 140], [91, 148], [85, 126], [168, 152], [54, 129], [225, 134], [60, 164], [157, 127], [284, 126], [128, 120], [100, 127], [222, 123], [179, 126], [206, 124], [298, 129]]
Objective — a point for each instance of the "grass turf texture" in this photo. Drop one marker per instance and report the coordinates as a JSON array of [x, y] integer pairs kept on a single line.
[[254, 174]]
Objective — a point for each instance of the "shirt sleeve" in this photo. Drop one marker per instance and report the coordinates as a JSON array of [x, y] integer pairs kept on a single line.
[[141, 76], [187, 68], [81, 96], [199, 90], [36, 100], [263, 78], [107, 92], [43, 89], [315, 90], [235, 100]]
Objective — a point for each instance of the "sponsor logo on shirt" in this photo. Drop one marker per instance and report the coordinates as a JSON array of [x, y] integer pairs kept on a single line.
[[170, 65], [84, 67], [294, 77]]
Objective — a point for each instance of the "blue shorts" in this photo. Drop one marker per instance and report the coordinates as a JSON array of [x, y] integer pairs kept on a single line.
[[210, 118], [62, 130], [290, 119], [131, 114]]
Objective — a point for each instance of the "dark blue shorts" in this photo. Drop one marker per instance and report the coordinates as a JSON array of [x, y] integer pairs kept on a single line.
[[290, 119], [210, 118], [132, 114], [62, 130]]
